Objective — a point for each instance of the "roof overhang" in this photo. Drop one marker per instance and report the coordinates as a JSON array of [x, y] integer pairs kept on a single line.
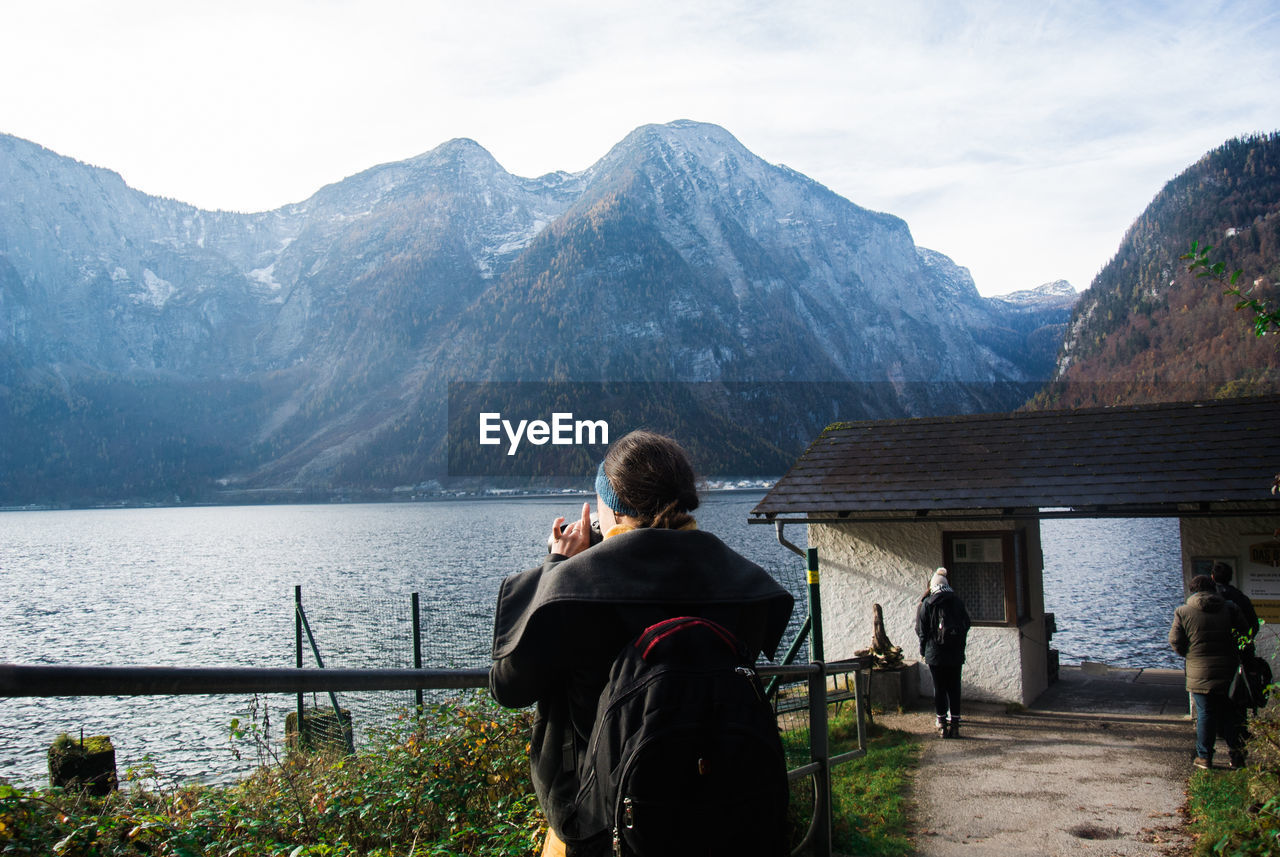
[[933, 516], [1166, 460]]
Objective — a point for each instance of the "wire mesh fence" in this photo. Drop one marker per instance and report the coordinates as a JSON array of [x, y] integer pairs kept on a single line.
[[362, 628], [380, 631]]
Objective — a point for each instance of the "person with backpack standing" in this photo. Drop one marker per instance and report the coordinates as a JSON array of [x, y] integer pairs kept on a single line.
[[564, 630], [1221, 575], [942, 624], [1206, 630], [1254, 665]]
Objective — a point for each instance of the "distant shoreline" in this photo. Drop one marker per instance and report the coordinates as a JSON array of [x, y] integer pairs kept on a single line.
[[277, 497]]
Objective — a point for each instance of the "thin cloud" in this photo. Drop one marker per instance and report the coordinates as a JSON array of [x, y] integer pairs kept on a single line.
[[1020, 139]]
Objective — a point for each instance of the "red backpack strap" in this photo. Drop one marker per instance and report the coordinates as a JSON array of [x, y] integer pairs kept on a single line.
[[660, 632]]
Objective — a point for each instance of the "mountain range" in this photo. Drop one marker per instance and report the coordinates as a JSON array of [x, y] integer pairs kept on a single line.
[[150, 349]]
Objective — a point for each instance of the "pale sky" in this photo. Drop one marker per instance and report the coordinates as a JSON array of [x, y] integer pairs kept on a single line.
[[1019, 138]]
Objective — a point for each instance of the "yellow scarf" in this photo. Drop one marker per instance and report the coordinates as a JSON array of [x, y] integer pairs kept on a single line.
[[619, 529]]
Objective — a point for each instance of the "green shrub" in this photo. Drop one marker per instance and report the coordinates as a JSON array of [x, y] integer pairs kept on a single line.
[[453, 781], [1237, 813]]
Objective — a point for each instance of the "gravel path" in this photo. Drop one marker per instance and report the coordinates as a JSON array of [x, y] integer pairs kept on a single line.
[[1098, 766]]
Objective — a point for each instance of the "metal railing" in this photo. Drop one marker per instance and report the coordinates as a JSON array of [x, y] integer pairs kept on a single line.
[[818, 837], [76, 681], [70, 681]]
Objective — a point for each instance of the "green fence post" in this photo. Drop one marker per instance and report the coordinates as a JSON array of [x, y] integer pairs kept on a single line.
[[348, 733], [297, 634], [815, 607], [417, 648]]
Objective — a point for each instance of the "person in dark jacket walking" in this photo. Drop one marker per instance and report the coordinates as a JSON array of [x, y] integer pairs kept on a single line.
[[1206, 631], [942, 624], [558, 627], [1222, 581]]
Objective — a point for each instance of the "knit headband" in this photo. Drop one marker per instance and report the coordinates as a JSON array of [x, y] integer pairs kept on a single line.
[[609, 497]]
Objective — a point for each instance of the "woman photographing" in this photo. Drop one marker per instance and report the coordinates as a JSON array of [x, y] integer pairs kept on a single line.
[[558, 627]]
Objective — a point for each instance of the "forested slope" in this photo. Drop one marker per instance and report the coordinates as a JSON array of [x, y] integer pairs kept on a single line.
[[1147, 329]]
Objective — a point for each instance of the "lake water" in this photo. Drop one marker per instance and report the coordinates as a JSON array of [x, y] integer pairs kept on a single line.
[[214, 587], [1113, 585]]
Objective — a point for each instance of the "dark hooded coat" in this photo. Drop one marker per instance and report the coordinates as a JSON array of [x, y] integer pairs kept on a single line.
[[934, 654], [558, 627], [1244, 602], [1206, 631]]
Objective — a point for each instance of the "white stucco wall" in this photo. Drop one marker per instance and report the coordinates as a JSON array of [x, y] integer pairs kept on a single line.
[[890, 565], [1229, 538]]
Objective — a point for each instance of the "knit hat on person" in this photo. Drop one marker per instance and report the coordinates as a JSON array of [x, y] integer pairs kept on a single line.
[[939, 580]]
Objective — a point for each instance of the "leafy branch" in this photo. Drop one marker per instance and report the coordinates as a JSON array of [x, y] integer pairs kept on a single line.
[[1266, 318]]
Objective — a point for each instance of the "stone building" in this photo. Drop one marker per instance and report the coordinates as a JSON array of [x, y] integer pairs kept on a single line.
[[887, 501]]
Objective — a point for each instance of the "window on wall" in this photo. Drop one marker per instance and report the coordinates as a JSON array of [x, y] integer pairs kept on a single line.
[[988, 570]]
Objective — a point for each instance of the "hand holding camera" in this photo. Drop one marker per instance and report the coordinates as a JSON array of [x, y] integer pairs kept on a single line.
[[575, 536]]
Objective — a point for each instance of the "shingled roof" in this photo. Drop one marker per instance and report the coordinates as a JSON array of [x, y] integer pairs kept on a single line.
[[1164, 459]]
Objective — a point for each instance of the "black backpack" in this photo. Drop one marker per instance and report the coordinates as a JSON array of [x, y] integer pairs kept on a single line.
[[952, 622], [685, 756], [1251, 685]]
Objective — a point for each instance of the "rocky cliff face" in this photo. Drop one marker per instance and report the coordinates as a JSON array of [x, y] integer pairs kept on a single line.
[[104, 278], [312, 345]]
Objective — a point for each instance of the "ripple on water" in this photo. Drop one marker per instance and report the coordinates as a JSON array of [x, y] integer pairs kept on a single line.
[[1113, 585]]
